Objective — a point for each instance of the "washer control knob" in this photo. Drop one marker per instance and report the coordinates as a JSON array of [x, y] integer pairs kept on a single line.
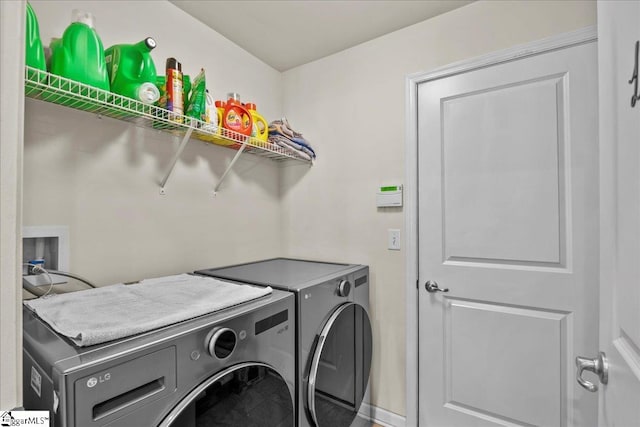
[[344, 288], [221, 342]]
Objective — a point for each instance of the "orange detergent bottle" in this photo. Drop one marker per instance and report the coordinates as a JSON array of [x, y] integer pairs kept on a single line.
[[237, 118]]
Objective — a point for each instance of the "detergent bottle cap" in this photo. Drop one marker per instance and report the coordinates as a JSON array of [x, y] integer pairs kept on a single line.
[[250, 106], [220, 104], [148, 93], [150, 43], [233, 96], [81, 16]]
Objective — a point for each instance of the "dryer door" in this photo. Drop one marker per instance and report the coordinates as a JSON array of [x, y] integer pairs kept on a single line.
[[339, 370], [248, 395]]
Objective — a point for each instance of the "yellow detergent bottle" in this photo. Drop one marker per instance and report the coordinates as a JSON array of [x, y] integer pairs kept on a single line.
[[260, 125]]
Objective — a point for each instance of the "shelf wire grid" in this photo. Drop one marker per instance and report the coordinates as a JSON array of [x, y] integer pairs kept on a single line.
[[69, 93]]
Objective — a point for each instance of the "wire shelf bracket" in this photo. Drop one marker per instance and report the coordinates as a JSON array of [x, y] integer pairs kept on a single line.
[[233, 161], [174, 160]]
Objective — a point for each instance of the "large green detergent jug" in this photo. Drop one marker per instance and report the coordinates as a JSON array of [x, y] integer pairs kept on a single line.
[[34, 54], [132, 72], [79, 54]]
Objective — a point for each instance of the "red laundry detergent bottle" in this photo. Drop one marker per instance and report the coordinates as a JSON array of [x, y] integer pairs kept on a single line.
[[236, 117]]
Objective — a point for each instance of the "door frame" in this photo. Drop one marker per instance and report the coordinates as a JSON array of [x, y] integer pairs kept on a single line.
[[564, 40], [12, 50], [610, 232]]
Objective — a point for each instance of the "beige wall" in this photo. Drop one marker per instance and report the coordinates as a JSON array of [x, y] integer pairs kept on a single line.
[[352, 107], [100, 176]]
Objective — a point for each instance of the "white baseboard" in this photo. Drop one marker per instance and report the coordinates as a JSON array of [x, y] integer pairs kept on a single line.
[[382, 416]]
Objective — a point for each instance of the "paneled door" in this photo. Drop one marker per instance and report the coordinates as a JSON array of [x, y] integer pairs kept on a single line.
[[619, 62], [509, 241]]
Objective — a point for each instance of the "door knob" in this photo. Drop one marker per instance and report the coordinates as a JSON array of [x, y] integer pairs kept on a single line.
[[432, 287], [597, 365]]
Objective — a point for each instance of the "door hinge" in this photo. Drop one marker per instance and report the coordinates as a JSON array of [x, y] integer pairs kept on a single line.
[[417, 284]]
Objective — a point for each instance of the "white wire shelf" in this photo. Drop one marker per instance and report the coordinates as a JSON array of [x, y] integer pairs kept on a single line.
[[69, 93], [52, 88]]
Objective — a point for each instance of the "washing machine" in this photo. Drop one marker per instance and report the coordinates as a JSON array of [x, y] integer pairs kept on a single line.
[[234, 367], [333, 334]]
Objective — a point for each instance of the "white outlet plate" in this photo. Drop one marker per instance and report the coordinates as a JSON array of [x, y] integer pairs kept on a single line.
[[394, 239]]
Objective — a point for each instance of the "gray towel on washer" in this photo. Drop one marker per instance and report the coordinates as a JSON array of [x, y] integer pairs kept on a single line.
[[103, 314]]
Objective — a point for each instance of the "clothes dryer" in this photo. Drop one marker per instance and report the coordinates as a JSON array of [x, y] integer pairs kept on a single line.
[[333, 334], [232, 367]]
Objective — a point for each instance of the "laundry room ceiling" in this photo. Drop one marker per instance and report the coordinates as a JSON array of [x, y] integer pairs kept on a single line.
[[288, 33]]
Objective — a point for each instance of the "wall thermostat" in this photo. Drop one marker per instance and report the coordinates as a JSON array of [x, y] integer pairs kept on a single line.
[[389, 196]]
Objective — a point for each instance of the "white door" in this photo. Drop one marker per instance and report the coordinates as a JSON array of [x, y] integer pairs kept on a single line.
[[618, 33], [508, 222]]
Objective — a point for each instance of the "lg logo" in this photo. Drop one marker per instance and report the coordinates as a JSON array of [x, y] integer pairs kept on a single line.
[[93, 381]]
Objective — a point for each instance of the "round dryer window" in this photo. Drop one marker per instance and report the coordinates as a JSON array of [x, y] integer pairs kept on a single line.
[[339, 370], [249, 394]]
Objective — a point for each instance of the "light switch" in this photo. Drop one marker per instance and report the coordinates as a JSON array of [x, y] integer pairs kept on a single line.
[[394, 239]]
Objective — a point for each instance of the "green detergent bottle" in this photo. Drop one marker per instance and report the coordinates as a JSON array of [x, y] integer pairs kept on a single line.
[[79, 54], [196, 105], [132, 72], [34, 55]]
